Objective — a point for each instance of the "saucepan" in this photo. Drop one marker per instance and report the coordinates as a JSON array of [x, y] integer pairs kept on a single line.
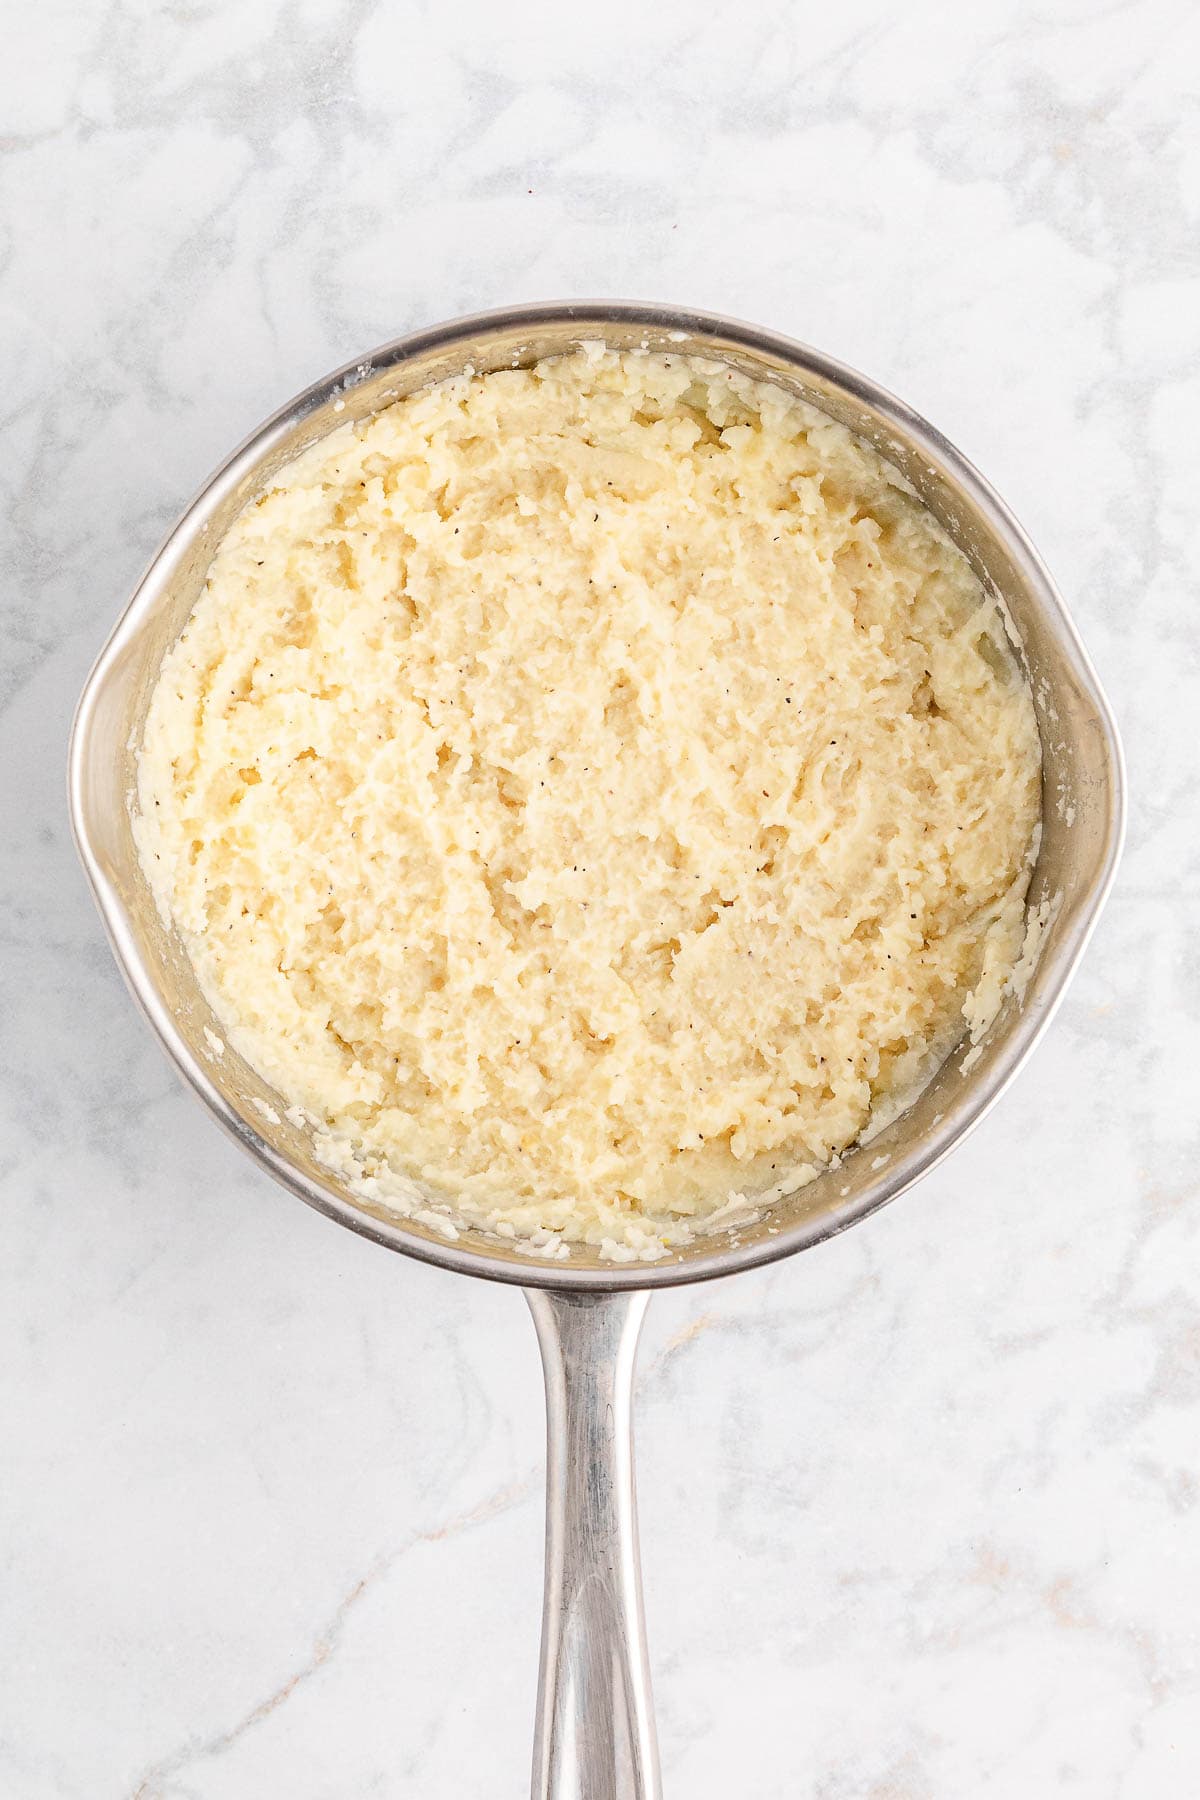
[[595, 1730]]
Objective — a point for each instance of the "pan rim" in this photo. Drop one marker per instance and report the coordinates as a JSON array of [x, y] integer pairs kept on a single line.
[[697, 1263]]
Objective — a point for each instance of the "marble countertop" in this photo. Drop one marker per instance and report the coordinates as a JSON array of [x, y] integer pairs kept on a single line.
[[921, 1510]]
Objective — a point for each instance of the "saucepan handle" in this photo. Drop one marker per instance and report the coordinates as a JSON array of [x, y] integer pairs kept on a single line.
[[595, 1722]]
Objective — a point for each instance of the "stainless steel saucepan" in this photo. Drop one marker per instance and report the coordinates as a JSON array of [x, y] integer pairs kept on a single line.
[[595, 1729]]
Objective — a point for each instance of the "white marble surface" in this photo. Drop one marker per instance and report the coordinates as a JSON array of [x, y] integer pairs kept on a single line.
[[921, 1512]]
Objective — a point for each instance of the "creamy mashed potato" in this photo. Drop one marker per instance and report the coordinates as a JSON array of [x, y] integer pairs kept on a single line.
[[592, 792]]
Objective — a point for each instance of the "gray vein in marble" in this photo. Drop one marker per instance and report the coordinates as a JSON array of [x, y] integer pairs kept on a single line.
[[156, 1783]]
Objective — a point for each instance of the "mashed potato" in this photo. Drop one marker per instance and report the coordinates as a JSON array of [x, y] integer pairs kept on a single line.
[[591, 792]]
